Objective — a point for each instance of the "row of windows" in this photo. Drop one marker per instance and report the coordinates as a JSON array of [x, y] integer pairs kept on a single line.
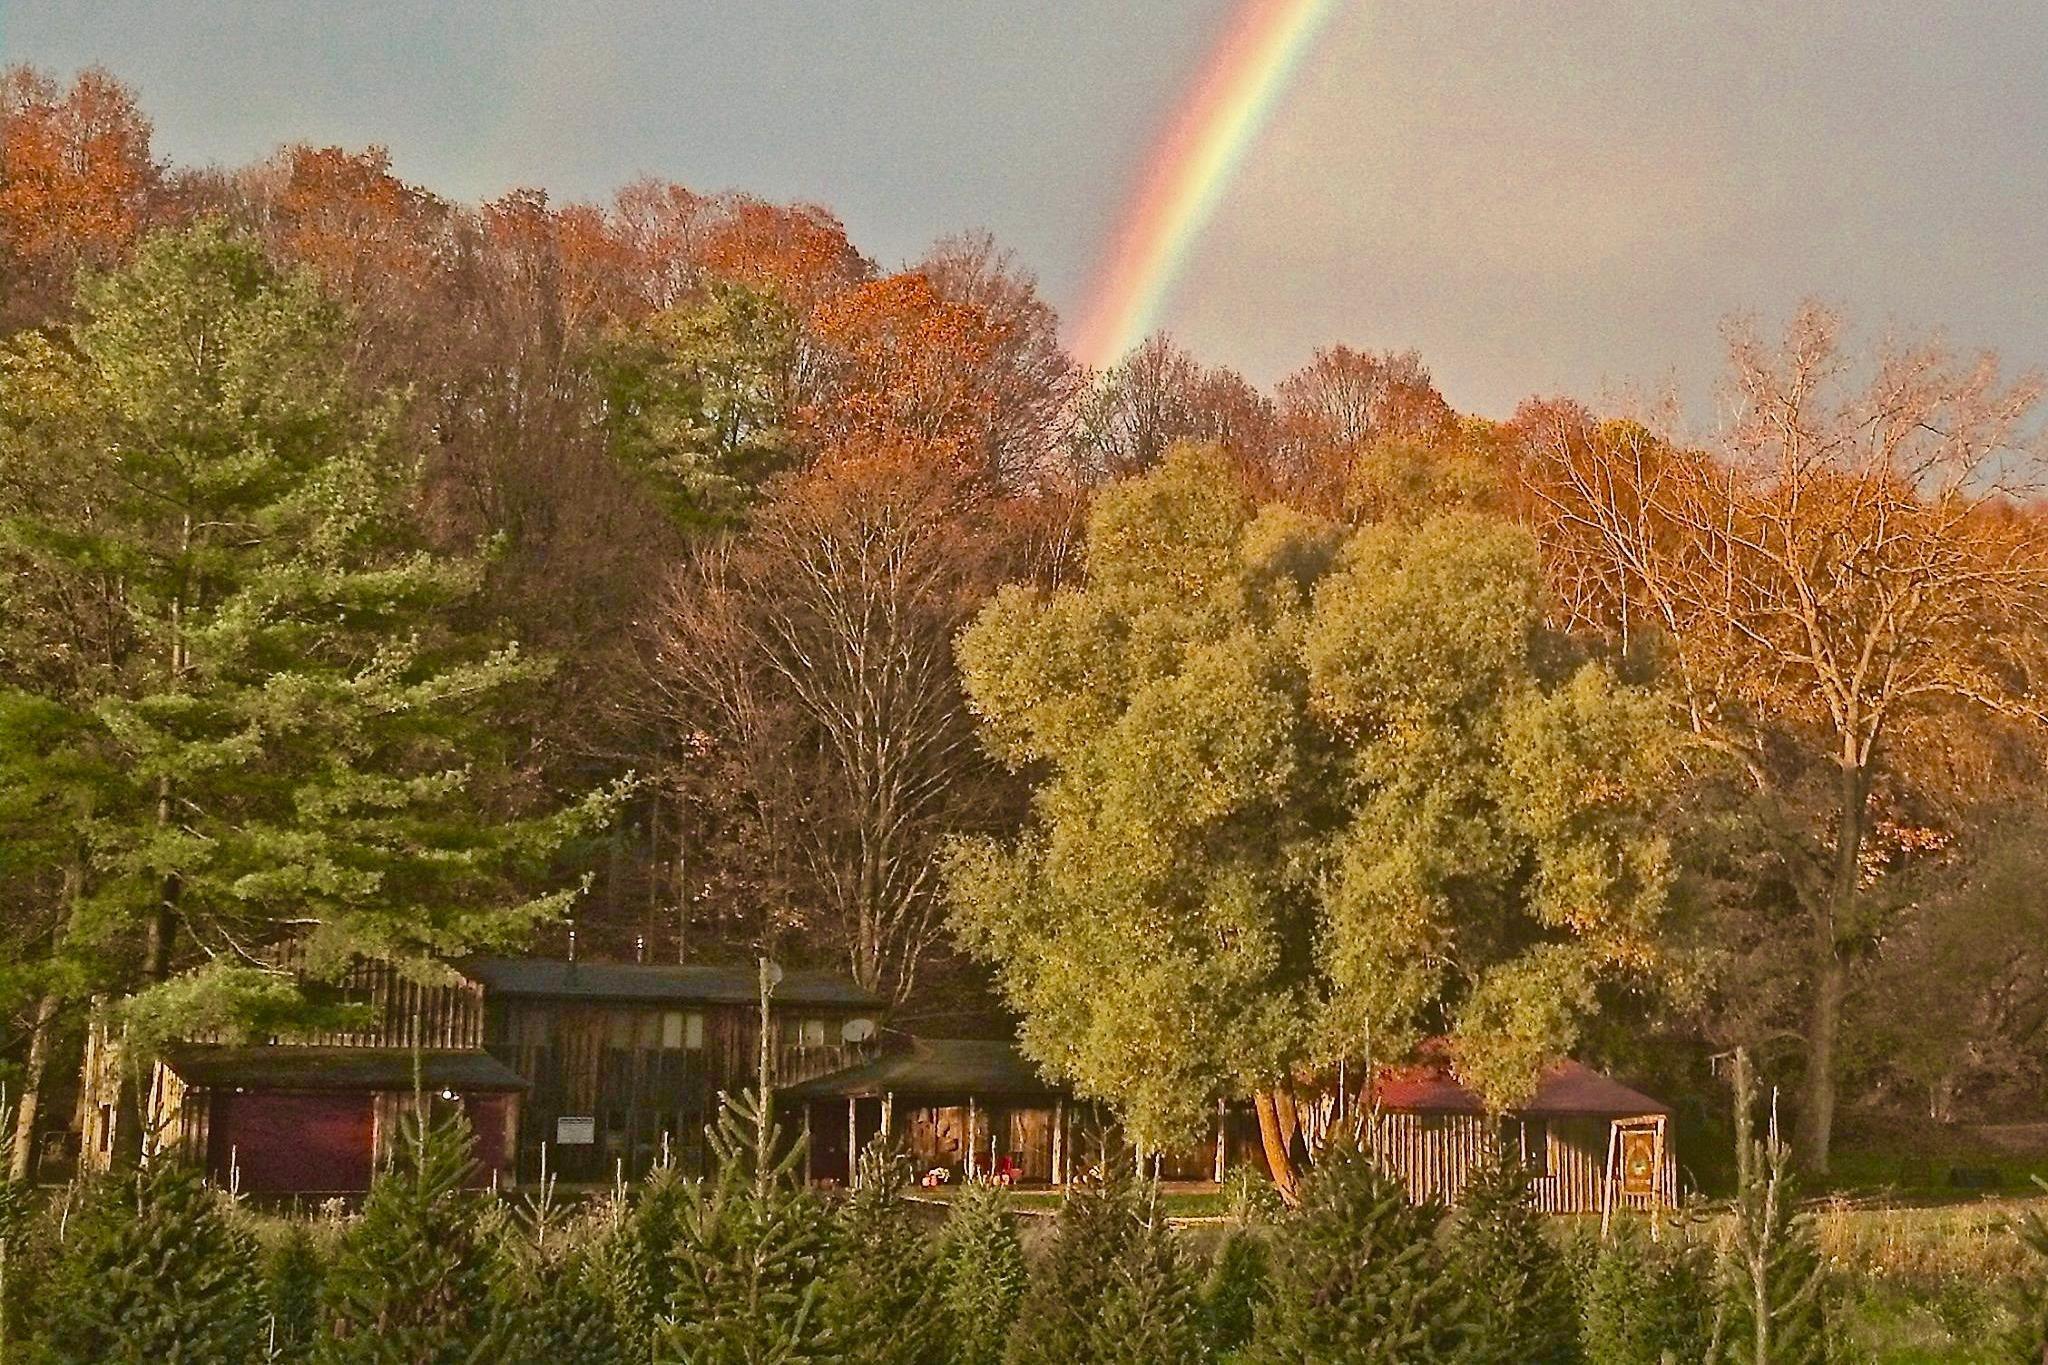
[[643, 1030]]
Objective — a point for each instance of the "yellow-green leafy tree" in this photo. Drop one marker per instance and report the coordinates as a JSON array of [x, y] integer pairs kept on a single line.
[[1302, 794]]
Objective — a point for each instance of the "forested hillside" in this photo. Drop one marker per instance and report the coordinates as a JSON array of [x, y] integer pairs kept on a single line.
[[411, 576]]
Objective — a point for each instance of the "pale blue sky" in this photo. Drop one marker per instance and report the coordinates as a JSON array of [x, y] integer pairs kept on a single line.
[[1541, 197]]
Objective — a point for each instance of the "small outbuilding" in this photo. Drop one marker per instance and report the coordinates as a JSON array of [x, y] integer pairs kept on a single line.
[[1592, 1144]]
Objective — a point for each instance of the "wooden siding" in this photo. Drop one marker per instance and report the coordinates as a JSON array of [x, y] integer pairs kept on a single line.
[[629, 1067]]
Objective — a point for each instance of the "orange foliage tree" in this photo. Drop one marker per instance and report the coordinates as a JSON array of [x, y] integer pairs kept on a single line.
[[1830, 593], [76, 181]]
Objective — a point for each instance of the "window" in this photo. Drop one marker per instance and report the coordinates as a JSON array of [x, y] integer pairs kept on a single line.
[[814, 1033], [1526, 1140], [682, 1029]]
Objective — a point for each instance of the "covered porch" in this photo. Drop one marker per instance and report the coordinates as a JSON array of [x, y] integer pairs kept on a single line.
[[960, 1109]]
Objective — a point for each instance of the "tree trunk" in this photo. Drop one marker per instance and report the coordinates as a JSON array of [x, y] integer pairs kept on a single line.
[[1279, 1157], [21, 1162], [1831, 976]]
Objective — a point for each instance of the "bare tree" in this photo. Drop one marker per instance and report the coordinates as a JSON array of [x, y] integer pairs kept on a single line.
[[1852, 566], [817, 648]]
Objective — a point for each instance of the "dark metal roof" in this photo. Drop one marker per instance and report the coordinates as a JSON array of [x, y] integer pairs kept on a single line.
[[285, 1066], [934, 1067], [550, 978], [1566, 1089]]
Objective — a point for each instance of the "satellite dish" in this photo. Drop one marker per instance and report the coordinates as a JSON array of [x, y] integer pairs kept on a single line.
[[857, 1030], [774, 974]]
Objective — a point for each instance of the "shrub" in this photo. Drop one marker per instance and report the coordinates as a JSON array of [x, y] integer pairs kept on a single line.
[[1150, 1313], [2028, 1340], [414, 1276], [1057, 1322], [1235, 1289], [292, 1275], [750, 1254]]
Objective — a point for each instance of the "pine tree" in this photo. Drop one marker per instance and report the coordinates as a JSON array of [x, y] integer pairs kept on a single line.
[[1646, 1302], [291, 725], [1235, 1289], [1097, 1222], [750, 1254], [415, 1275], [2027, 1340], [550, 1293], [1774, 1305], [1520, 1309], [882, 1302], [981, 1272], [620, 1267], [154, 1269], [292, 1275], [1151, 1313], [1357, 1274]]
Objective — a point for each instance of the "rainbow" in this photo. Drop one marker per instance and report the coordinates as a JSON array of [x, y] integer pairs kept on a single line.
[[1190, 167]]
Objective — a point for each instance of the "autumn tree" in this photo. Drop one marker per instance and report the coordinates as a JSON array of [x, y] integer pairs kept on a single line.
[[1306, 795], [1030, 379], [1159, 395], [812, 653], [899, 364], [1831, 591], [77, 183]]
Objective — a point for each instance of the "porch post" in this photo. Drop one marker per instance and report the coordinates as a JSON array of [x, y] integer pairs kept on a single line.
[[852, 1142], [888, 1114], [973, 1127], [1222, 1132], [1059, 1140]]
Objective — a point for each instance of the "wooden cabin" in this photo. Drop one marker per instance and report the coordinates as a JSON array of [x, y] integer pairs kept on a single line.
[[965, 1107], [1592, 1143], [588, 1070], [626, 1061]]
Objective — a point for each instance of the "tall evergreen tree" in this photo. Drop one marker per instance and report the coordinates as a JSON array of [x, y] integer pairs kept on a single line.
[[1358, 1275], [750, 1255], [413, 1280], [981, 1272], [154, 1269], [1520, 1309], [296, 732], [882, 1302]]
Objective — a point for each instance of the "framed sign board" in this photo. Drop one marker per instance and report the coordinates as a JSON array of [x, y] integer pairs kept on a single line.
[[1639, 1161], [575, 1130]]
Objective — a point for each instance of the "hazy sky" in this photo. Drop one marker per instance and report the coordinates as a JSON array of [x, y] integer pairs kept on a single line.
[[1539, 196]]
